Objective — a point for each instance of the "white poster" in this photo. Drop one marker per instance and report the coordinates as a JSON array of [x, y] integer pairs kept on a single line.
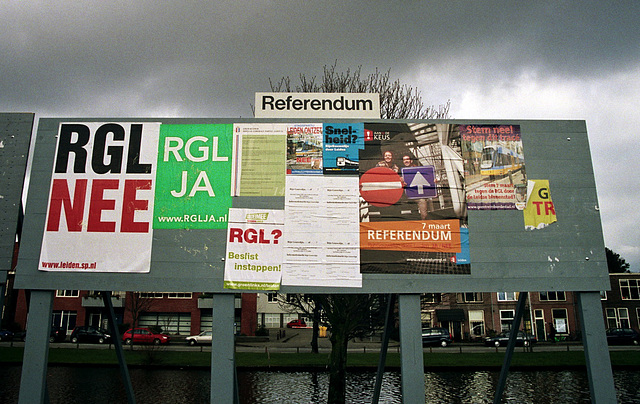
[[100, 205], [322, 239], [254, 250]]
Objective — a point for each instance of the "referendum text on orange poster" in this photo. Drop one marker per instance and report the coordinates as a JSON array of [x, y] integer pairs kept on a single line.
[[411, 235]]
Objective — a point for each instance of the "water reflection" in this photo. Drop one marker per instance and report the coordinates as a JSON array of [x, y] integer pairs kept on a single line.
[[103, 385], [311, 387]]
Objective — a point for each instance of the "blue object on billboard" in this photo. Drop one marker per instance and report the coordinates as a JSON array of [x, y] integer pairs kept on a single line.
[[420, 182], [464, 256]]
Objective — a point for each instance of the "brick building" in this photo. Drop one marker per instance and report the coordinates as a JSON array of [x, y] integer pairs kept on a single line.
[[621, 305], [469, 316], [174, 313], [474, 315]]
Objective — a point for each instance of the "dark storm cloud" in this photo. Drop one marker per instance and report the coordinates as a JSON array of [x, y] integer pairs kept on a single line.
[[207, 59]]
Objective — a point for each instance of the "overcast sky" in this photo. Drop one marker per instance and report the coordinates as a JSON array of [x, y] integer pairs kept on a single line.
[[492, 59]]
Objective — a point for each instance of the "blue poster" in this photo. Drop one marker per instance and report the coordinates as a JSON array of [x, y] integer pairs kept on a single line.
[[464, 256], [342, 143]]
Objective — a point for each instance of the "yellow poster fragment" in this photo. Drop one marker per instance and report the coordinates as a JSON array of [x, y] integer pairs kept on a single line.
[[539, 212]]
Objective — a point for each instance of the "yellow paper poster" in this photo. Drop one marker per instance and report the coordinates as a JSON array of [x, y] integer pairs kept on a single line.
[[540, 211]]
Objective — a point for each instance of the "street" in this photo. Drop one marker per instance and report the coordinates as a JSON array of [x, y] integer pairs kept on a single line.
[[299, 341]]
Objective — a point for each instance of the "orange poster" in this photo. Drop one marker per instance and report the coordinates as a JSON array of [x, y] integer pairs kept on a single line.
[[411, 235]]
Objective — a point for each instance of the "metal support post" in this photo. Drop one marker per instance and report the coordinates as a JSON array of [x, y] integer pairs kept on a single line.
[[513, 335], [411, 353], [113, 328], [33, 382], [596, 350], [223, 349], [388, 326]]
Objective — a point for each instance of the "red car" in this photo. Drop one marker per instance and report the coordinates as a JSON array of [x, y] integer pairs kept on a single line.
[[296, 324], [144, 336]]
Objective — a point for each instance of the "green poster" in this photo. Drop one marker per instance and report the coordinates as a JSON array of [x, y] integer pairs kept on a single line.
[[193, 178], [263, 165]]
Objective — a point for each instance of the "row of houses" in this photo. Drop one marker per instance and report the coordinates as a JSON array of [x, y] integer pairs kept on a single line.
[[469, 316]]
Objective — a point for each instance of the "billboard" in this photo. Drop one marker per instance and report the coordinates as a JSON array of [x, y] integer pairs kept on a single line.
[[353, 206], [15, 135]]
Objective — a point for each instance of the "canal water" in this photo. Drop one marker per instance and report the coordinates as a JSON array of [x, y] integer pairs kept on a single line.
[[103, 385]]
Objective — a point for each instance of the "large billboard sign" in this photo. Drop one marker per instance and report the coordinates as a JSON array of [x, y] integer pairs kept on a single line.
[[217, 205]]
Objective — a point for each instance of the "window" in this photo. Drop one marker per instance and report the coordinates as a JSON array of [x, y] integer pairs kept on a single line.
[[170, 323], [272, 297], [603, 295], [629, 289], [67, 293], [560, 322], [180, 295], [618, 318], [476, 321], [427, 319], [64, 319], [506, 319], [552, 296], [623, 316], [272, 320], [612, 318], [149, 295], [471, 297], [431, 298], [506, 296], [114, 294]]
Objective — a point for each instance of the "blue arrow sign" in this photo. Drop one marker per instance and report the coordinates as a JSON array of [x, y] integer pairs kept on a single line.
[[420, 182]]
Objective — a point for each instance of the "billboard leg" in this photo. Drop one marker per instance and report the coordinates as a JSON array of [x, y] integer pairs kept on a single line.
[[117, 342], [223, 349], [596, 350], [411, 353], [388, 325], [33, 381], [511, 345]]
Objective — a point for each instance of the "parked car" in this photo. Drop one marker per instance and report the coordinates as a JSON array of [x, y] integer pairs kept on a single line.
[[87, 333], [296, 324], [502, 339], [203, 338], [623, 336], [436, 336], [6, 335], [57, 334], [144, 336]]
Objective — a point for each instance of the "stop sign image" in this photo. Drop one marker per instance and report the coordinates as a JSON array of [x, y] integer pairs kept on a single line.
[[381, 186]]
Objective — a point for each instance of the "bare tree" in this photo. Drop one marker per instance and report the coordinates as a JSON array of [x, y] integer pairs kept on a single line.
[[397, 101], [309, 306], [137, 303]]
